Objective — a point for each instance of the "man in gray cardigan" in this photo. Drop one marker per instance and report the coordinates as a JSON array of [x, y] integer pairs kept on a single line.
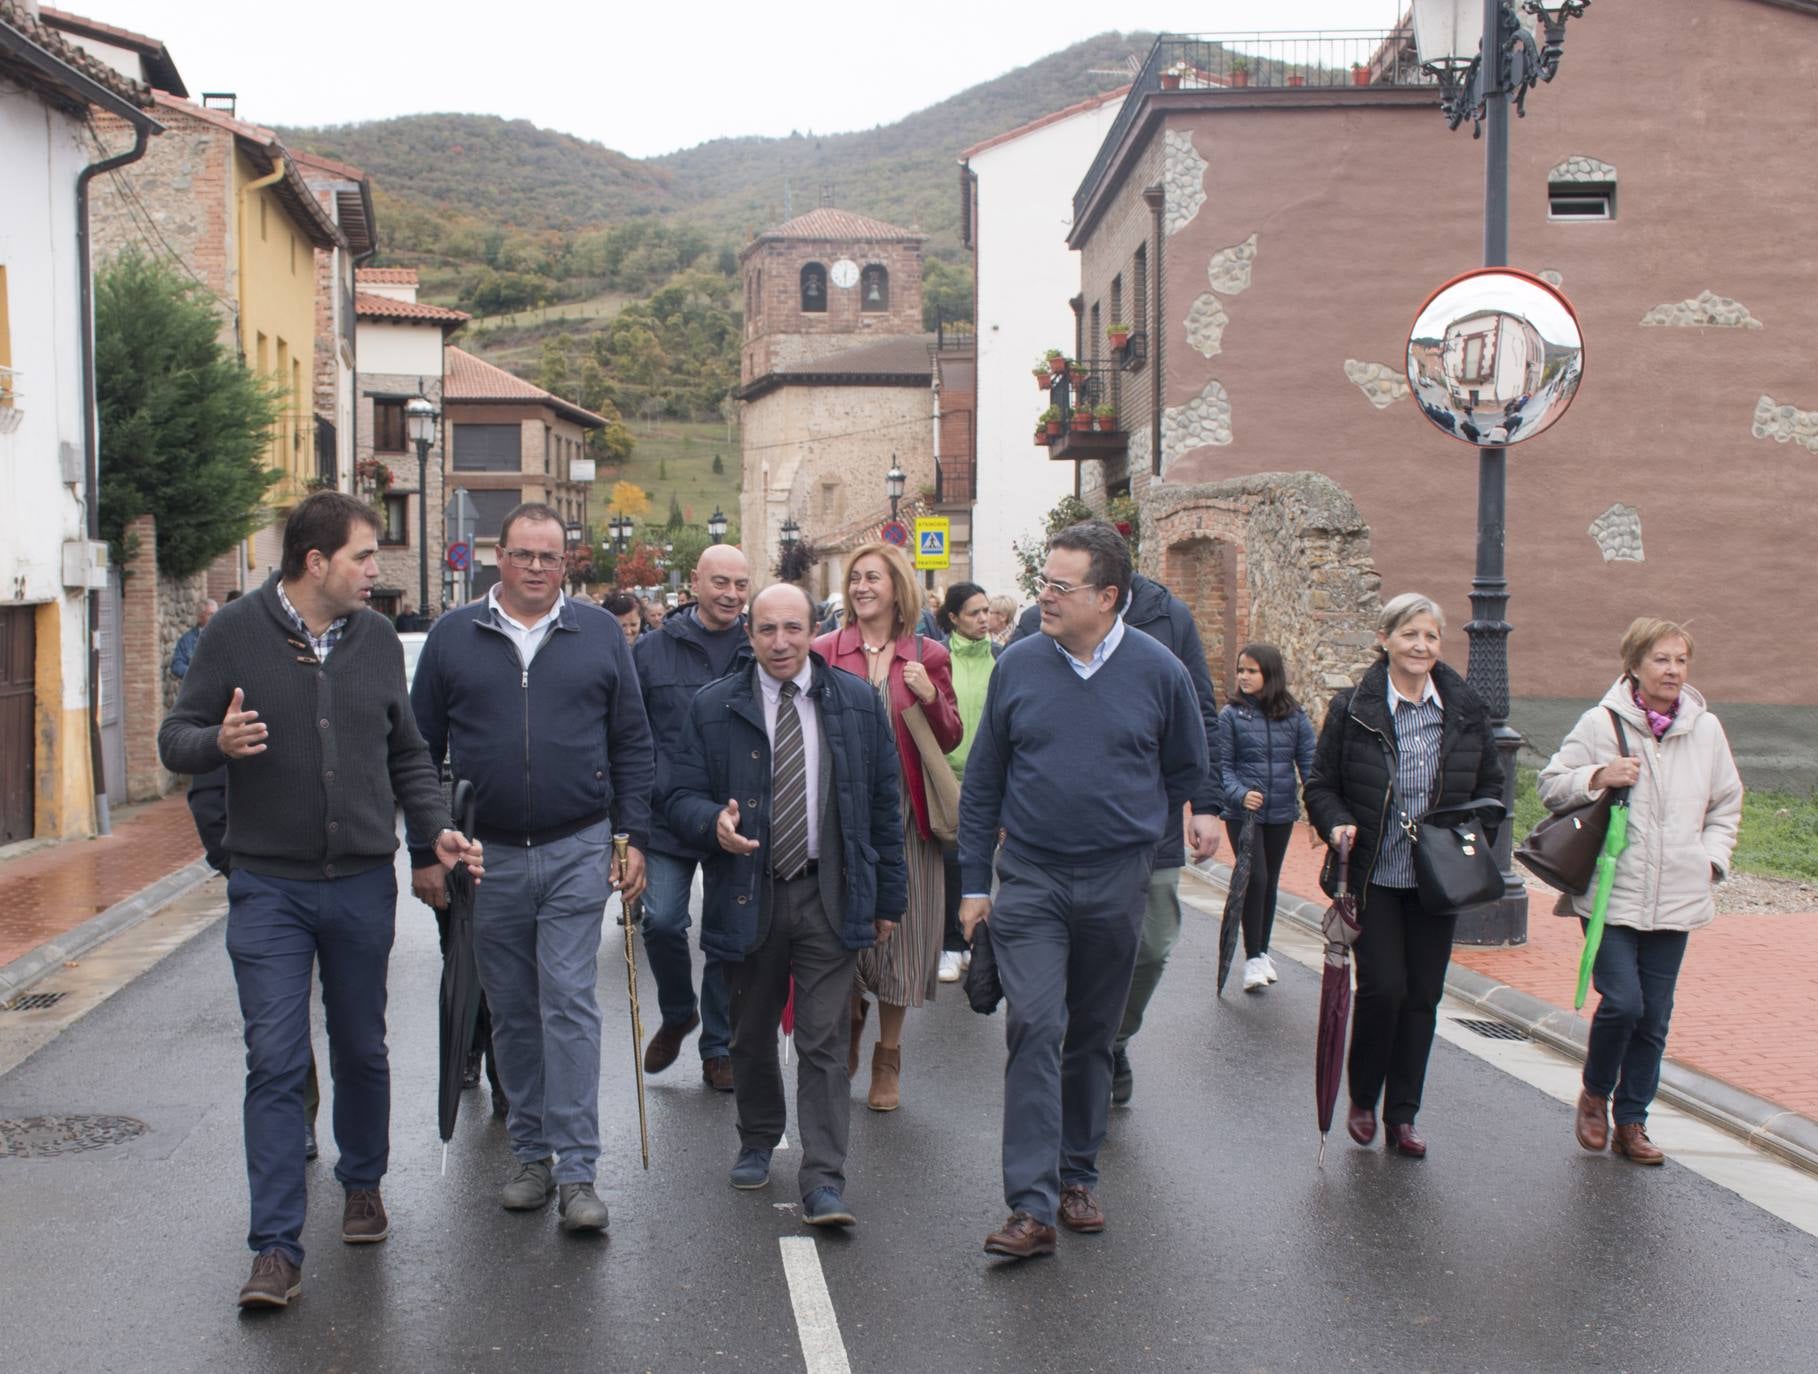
[[300, 694]]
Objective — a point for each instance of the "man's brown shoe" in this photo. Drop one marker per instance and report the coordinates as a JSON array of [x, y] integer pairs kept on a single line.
[[1592, 1126], [886, 1079], [274, 1282], [666, 1044], [363, 1219], [717, 1072], [1079, 1210], [1632, 1144], [1021, 1237]]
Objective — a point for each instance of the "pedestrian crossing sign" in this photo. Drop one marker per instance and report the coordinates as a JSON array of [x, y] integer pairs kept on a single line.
[[931, 549]]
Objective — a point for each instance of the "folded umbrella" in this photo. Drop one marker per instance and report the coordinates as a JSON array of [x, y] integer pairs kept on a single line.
[[1234, 899], [983, 990], [1615, 840], [1341, 930], [459, 1003]]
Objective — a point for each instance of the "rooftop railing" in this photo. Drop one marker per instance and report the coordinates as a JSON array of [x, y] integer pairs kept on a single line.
[[1234, 61]]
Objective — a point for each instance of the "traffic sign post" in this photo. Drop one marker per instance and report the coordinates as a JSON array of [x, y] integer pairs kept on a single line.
[[894, 533], [932, 551], [460, 556]]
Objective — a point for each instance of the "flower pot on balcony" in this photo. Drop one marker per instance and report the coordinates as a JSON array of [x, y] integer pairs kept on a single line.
[[1082, 422], [1118, 337], [1360, 75], [1057, 363], [1054, 428], [1041, 437], [1106, 423], [1297, 80], [1237, 78], [1170, 82], [1044, 379]]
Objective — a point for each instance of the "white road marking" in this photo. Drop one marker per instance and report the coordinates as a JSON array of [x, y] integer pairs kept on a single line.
[[1778, 1188], [823, 1352]]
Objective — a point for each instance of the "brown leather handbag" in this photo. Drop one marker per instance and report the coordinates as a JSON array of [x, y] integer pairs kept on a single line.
[[940, 789], [1562, 850]]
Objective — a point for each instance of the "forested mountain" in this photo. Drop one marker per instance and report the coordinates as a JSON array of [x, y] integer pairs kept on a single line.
[[637, 259]]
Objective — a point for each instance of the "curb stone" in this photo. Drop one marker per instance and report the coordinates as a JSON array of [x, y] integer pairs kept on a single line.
[[1788, 1134], [29, 967]]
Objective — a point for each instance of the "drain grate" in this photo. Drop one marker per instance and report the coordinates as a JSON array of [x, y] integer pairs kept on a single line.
[[33, 1001], [39, 1137], [1491, 1030]]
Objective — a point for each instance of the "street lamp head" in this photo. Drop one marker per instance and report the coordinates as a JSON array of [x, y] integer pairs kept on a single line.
[[716, 525], [1447, 30], [573, 530], [790, 532], [420, 420], [894, 479]]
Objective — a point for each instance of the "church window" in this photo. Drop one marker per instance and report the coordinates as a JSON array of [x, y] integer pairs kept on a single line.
[[814, 289], [874, 288]]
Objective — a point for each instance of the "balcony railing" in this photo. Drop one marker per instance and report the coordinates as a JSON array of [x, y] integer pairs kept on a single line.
[[1232, 61], [1080, 392]]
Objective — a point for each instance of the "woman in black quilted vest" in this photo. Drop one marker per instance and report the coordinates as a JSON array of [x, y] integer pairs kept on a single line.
[[1411, 725]]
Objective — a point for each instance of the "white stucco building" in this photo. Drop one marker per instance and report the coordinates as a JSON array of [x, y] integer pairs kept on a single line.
[[1020, 195], [48, 561]]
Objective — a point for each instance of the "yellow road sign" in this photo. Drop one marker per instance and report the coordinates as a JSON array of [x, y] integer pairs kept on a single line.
[[931, 543]]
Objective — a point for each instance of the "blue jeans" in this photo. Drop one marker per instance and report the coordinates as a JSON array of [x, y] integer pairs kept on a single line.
[[666, 943], [1635, 974], [277, 929], [536, 942]]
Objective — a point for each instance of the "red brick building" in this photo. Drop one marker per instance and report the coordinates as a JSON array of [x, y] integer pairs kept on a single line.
[[1275, 241]]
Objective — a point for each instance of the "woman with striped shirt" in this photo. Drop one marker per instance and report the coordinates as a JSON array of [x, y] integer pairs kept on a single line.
[[1410, 736]]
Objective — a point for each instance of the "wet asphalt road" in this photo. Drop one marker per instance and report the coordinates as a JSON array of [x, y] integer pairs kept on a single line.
[[1227, 1249]]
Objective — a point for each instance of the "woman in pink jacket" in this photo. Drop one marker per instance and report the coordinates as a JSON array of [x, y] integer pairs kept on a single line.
[[1685, 801]]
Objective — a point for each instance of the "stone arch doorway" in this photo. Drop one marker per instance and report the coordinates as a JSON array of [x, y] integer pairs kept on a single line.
[[1280, 557], [1207, 574]]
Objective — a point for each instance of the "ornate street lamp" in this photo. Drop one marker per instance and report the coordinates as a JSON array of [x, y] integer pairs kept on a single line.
[[790, 533], [620, 527], [893, 483], [420, 426], [716, 525], [1485, 60]]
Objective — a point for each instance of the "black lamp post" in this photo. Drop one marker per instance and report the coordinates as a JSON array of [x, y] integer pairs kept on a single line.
[[420, 425], [1486, 60], [790, 533], [620, 528], [893, 483], [716, 525]]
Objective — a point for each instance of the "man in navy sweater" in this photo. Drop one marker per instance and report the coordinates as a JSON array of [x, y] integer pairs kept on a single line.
[[534, 698], [1090, 743]]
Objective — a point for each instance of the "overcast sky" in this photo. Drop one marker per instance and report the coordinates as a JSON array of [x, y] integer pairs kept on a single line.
[[649, 78]]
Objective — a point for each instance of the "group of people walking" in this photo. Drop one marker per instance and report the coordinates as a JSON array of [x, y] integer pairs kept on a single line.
[[808, 774]]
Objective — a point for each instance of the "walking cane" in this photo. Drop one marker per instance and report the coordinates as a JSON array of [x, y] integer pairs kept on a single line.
[[621, 846]]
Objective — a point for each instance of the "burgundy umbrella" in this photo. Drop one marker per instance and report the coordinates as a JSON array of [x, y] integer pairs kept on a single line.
[[1234, 899], [1341, 931]]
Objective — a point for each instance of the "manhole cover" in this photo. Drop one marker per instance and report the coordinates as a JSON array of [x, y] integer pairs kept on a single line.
[[1492, 1030], [39, 1137]]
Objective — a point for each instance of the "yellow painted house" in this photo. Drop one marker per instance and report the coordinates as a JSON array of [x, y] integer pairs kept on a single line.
[[231, 204]]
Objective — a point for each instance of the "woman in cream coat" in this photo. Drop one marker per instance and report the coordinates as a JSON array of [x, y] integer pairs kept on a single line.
[[1685, 801]]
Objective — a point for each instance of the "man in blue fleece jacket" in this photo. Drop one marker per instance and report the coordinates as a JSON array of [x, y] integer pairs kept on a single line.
[[535, 700], [1090, 743]]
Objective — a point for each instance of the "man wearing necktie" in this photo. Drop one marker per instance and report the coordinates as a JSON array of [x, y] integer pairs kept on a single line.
[[788, 769]]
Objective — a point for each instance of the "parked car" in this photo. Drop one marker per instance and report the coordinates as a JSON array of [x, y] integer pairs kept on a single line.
[[412, 640]]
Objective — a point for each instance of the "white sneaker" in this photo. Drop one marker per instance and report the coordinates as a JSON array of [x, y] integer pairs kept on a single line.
[[950, 966], [965, 961], [1256, 974], [1269, 964]]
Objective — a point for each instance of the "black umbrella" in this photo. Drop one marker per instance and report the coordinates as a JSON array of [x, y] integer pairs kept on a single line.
[[460, 1000], [983, 990], [1234, 899], [1341, 930]]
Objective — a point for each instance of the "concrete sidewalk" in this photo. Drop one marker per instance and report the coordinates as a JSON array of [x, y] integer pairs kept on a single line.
[[1745, 1018], [58, 900]]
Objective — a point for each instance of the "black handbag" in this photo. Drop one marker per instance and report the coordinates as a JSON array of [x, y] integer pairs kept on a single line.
[[1562, 850], [1454, 854]]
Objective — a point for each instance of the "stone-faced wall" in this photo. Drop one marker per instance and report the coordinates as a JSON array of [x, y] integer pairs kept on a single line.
[[400, 569], [1280, 557], [146, 662], [179, 598]]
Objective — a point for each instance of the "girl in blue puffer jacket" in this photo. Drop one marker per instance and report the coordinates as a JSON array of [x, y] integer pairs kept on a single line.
[[1265, 740]]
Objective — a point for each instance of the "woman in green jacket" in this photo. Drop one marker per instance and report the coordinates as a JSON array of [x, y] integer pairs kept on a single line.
[[964, 618]]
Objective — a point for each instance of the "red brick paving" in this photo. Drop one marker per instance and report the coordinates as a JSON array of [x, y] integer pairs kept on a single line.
[[1746, 1009], [52, 890]]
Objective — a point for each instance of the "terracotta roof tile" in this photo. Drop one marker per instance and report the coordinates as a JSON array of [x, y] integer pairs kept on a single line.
[[161, 70], [385, 308], [1082, 107], [316, 162], [387, 276], [467, 378], [43, 36], [828, 223]]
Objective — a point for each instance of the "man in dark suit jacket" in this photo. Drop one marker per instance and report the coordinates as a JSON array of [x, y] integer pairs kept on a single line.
[[789, 771]]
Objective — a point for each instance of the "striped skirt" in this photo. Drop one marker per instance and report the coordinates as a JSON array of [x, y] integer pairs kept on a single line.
[[906, 971]]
